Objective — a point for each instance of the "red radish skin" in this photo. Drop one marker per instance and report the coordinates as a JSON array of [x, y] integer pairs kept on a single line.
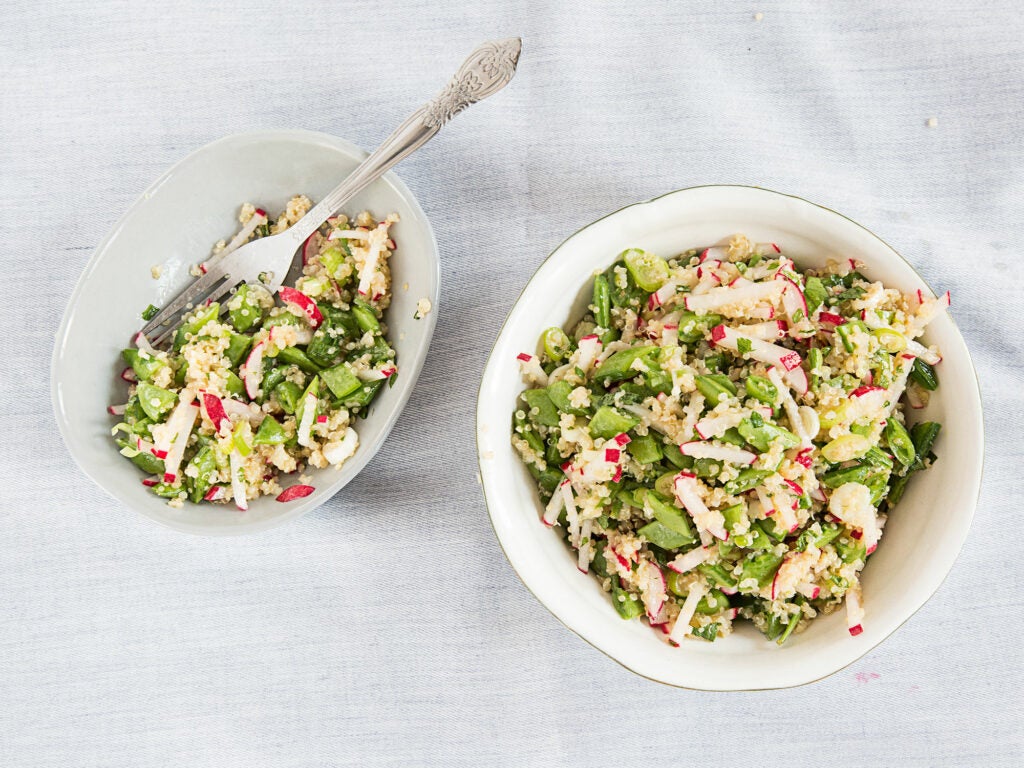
[[864, 390], [796, 487], [831, 319], [305, 304], [149, 482], [214, 409], [116, 410], [856, 630], [295, 492], [129, 375], [311, 248]]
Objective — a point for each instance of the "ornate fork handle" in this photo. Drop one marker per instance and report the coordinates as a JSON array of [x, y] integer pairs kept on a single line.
[[487, 70]]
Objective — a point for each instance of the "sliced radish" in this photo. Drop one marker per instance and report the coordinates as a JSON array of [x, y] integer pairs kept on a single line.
[[306, 306], [709, 520], [621, 439], [238, 484], [304, 432], [831, 319], [214, 410], [793, 300], [311, 248], [339, 451], [653, 590], [804, 458], [252, 369], [586, 550], [920, 350], [716, 426], [176, 432], [251, 412], [369, 267], [662, 295], [143, 344], [687, 561], [727, 453], [794, 486], [216, 493], [152, 480], [808, 590], [717, 253], [590, 348], [796, 420], [854, 610], [389, 370], [128, 374], [554, 507], [740, 295], [531, 370], [766, 249], [763, 351], [295, 492], [258, 218], [767, 331], [682, 626], [117, 410], [147, 447]]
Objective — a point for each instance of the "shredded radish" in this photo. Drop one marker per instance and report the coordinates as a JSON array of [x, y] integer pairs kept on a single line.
[[143, 344], [763, 351], [304, 432], [727, 453], [710, 520], [687, 561], [240, 239], [531, 370], [716, 426], [238, 484], [796, 419], [770, 330], [854, 610], [554, 507], [589, 349], [652, 585], [175, 437], [726, 297], [682, 626], [306, 307]]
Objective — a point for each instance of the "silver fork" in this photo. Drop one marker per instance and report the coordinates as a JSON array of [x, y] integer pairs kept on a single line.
[[487, 70]]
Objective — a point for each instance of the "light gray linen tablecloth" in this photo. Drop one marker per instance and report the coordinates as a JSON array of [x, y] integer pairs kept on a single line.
[[387, 628]]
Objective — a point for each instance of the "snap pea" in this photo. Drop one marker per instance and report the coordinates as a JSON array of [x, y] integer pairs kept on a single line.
[[602, 303], [287, 395], [675, 457], [295, 356], [555, 342], [714, 385], [662, 536], [924, 374], [735, 515], [762, 437], [195, 322], [145, 367], [198, 473], [525, 430], [365, 317], [713, 602], [558, 393], [248, 313], [733, 437], [238, 345], [708, 632], [761, 566], [619, 366], [846, 332], [340, 380], [876, 457], [271, 379], [755, 539], [270, 432], [850, 550], [233, 385], [923, 436], [144, 460], [665, 513], [648, 271], [155, 401], [540, 407], [900, 442], [325, 347], [608, 422], [599, 565], [815, 359], [363, 396], [858, 473], [645, 449], [761, 389], [747, 480], [627, 604], [717, 574]]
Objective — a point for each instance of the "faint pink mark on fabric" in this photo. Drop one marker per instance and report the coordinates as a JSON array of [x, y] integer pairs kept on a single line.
[[866, 677]]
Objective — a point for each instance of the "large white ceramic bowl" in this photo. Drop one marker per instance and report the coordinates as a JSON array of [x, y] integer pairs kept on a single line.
[[173, 224], [923, 535]]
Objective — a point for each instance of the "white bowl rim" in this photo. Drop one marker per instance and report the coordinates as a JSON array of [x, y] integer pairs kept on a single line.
[[583, 635], [302, 135]]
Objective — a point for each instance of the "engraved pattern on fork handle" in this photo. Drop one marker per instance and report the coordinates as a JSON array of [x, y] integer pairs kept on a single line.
[[486, 70]]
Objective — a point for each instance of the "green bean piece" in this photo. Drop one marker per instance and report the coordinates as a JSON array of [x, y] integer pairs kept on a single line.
[[645, 449], [747, 480], [287, 395], [155, 401], [675, 457], [198, 473], [815, 360], [167, 490], [666, 513], [363, 396], [648, 271], [555, 342], [270, 432], [761, 389], [340, 380], [540, 408], [602, 303], [662, 536], [365, 317], [144, 367], [717, 574], [761, 566], [249, 313], [144, 460], [924, 374], [619, 366], [713, 602], [714, 385], [900, 442], [295, 356], [558, 393], [858, 473], [608, 422], [627, 604], [271, 379]]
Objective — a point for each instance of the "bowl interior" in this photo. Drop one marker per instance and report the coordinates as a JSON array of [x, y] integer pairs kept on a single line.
[[173, 225], [923, 535]]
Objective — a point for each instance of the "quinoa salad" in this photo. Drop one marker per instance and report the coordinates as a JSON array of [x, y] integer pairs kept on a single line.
[[723, 435], [262, 387]]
